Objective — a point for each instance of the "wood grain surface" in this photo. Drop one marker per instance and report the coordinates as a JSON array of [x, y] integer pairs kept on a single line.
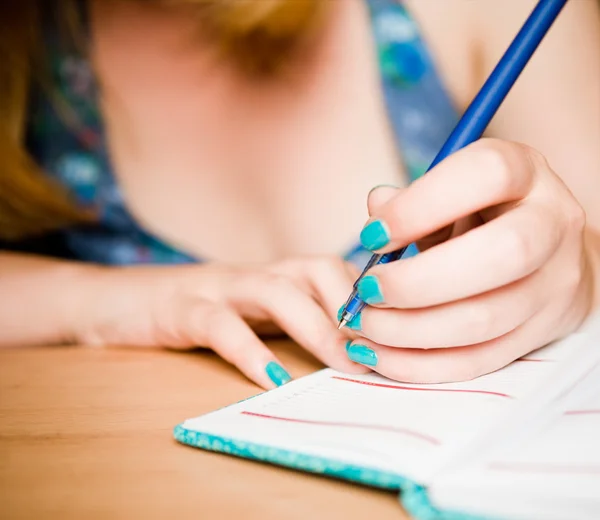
[[87, 433]]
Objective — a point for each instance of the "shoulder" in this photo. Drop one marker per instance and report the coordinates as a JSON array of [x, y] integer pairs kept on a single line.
[[467, 37], [497, 21]]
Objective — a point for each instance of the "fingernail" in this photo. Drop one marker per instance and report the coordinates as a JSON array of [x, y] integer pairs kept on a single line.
[[369, 290], [277, 373], [382, 186], [348, 344], [340, 312], [375, 235], [362, 355], [355, 323]]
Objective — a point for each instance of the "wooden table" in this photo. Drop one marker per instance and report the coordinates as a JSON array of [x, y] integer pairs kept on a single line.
[[87, 434]]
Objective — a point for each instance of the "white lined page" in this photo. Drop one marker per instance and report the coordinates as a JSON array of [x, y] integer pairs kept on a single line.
[[566, 441], [549, 462], [370, 420]]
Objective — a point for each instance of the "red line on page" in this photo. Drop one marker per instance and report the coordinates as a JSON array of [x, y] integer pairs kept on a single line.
[[403, 431], [396, 387], [545, 468], [582, 412]]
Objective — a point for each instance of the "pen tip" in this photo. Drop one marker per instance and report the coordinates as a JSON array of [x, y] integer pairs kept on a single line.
[[342, 324]]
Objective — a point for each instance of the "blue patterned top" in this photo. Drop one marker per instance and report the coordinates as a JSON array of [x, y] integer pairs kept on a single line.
[[72, 147]]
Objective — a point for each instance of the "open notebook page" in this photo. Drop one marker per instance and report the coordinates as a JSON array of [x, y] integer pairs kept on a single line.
[[373, 422], [550, 466]]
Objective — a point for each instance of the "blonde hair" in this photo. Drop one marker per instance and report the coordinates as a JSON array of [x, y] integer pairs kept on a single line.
[[257, 35]]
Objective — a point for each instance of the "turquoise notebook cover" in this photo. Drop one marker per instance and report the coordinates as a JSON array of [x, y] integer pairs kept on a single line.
[[413, 496]]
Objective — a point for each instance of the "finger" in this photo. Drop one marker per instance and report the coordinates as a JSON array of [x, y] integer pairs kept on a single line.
[[484, 174], [298, 314], [446, 365], [379, 196], [331, 282], [222, 330], [328, 279], [498, 253], [461, 323], [458, 228]]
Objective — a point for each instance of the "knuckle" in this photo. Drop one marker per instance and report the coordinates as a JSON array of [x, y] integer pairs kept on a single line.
[[277, 280], [271, 282], [206, 322], [286, 266], [480, 321], [536, 158], [576, 217], [216, 318], [274, 291], [220, 330], [495, 164], [262, 282], [572, 280], [243, 283], [188, 312], [281, 284], [505, 164], [518, 250]]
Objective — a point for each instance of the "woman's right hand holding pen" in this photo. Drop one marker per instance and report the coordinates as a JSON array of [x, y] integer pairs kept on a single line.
[[507, 266]]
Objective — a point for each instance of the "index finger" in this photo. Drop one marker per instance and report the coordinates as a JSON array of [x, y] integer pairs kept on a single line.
[[484, 174]]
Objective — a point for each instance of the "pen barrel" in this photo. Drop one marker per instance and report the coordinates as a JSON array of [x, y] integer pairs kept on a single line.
[[483, 107]]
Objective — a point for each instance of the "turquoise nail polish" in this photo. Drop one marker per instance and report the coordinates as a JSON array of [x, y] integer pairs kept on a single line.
[[355, 323], [348, 344], [340, 312], [362, 355], [375, 235], [277, 373], [369, 290]]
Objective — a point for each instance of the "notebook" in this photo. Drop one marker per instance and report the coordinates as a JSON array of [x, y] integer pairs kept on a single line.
[[522, 442]]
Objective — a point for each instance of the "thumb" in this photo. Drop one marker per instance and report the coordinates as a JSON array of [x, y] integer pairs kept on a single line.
[[379, 195]]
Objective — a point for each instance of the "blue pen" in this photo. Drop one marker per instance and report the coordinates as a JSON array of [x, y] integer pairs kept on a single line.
[[477, 117]]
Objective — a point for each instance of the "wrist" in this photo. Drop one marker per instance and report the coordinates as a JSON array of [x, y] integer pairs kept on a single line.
[[77, 284], [121, 305]]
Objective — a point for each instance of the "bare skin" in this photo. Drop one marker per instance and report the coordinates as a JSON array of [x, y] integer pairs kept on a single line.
[[278, 170]]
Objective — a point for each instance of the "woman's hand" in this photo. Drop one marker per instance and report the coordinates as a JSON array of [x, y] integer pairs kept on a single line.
[[504, 268], [223, 308]]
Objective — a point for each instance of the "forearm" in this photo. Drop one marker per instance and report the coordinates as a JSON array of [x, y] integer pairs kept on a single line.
[[40, 298]]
